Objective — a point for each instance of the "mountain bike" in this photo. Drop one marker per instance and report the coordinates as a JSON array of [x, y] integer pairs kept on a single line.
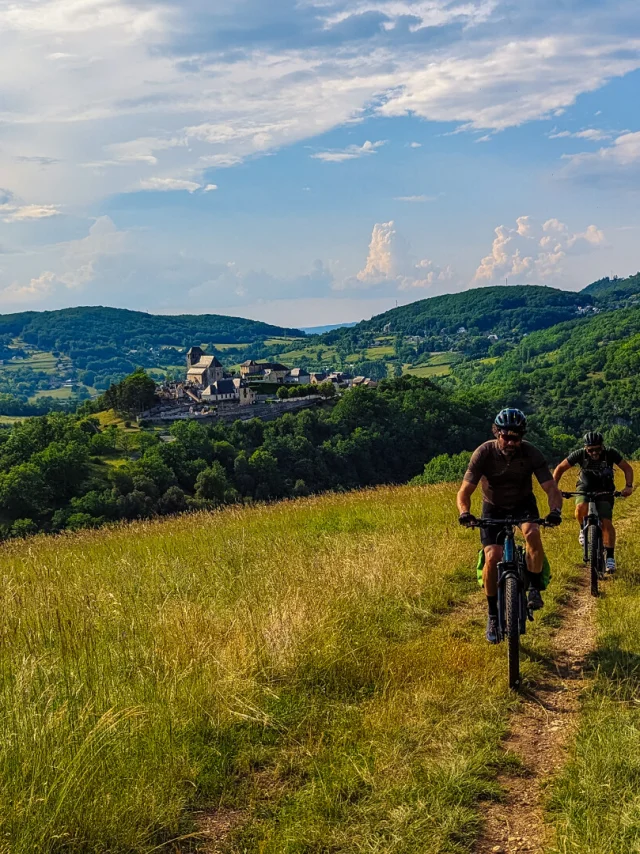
[[513, 609], [592, 529]]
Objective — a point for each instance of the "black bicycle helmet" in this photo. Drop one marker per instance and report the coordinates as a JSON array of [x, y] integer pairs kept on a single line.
[[511, 419], [593, 438]]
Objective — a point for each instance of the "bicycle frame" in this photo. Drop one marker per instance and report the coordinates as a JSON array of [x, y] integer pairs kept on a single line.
[[513, 564], [592, 520]]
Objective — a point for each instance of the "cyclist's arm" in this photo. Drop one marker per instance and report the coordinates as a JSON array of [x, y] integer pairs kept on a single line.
[[554, 496], [624, 466], [560, 469], [464, 496]]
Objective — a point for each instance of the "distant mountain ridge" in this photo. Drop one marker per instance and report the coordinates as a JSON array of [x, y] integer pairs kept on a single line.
[[499, 309], [99, 325]]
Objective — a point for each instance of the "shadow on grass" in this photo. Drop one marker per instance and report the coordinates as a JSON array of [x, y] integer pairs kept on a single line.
[[617, 671]]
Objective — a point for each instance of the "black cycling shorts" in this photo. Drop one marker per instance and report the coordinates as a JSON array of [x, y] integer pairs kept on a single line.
[[493, 535]]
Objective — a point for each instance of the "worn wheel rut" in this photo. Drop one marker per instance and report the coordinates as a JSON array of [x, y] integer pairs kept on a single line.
[[541, 732]]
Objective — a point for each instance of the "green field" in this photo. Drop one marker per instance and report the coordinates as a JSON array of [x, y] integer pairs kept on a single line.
[[439, 365], [223, 347], [306, 675], [45, 362], [55, 393]]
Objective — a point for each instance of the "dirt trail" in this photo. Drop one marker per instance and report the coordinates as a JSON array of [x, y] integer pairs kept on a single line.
[[541, 732]]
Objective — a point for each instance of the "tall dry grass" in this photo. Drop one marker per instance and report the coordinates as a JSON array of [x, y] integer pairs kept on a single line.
[[299, 662], [595, 804], [134, 661]]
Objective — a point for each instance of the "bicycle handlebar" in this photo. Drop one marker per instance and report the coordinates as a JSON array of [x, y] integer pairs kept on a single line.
[[592, 495]]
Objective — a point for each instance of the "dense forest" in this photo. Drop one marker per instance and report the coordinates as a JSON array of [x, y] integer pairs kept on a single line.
[[575, 375], [67, 471]]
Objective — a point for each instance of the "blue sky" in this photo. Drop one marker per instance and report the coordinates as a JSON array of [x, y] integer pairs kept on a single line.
[[313, 161]]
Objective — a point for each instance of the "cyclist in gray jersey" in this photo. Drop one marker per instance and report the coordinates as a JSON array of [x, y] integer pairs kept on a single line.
[[596, 463]]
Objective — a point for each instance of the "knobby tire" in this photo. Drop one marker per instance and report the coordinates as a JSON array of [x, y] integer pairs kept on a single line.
[[595, 556], [512, 628]]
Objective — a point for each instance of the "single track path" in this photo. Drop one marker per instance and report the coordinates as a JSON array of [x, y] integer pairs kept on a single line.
[[541, 732]]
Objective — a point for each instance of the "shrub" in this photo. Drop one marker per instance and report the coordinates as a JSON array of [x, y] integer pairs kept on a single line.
[[445, 468]]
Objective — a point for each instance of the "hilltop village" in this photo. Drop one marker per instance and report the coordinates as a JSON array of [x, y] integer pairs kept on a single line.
[[208, 391]]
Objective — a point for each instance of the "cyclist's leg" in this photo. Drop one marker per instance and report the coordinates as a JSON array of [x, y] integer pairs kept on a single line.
[[605, 511], [535, 551], [492, 557], [582, 509]]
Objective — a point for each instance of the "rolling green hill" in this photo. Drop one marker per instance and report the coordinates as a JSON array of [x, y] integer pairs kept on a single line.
[[89, 348]]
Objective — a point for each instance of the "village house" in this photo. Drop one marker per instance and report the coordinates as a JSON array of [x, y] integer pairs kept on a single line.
[[246, 395], [298, 376], [269, 372], [221, 391], [318, 377]]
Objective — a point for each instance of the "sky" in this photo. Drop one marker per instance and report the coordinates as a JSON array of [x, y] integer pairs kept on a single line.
[[308, 162]]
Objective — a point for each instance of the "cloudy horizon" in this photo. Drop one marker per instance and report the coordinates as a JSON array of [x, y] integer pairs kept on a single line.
[[313, 161]]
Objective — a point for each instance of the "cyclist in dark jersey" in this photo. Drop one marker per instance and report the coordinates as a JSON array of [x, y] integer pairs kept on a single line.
[[505, 469], [596, 475]]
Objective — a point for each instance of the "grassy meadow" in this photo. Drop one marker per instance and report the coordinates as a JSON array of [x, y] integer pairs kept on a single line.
[[316, 669]]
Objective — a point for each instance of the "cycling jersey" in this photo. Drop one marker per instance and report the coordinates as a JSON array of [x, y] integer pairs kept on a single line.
[[507, 480], [596, 474]]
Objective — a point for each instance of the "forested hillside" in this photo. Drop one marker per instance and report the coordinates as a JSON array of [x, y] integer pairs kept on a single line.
[[502, 310], [576, 375]]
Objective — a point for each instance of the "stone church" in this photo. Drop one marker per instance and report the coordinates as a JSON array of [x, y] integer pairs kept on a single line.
[[203, 370]]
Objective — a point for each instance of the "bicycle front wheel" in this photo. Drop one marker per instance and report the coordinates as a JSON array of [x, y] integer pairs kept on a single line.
[[512, 628], [595, 556]]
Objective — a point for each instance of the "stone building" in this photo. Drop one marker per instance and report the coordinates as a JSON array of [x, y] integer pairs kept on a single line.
[[203, 370]]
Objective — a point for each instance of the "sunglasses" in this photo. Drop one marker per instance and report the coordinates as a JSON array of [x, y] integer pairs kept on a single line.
[[595, 449], [511, 437]]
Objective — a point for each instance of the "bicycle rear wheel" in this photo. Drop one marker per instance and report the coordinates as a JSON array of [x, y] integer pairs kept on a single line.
[[595, 555], [512, 628]]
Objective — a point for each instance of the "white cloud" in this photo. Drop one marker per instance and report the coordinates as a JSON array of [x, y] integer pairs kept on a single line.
[[415, 145], [102, 90], [390, 267], [13, 210], [166, 185], [352, 152], [74, 265], [21, 213], [209, 188], [592, 134], [616, 163], [492, 87], [535, 253], [415, 198]]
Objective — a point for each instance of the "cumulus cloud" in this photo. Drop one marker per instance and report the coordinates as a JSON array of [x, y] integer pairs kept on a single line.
[[76, 263], [535, 253], [352, 152], [391, 267]]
